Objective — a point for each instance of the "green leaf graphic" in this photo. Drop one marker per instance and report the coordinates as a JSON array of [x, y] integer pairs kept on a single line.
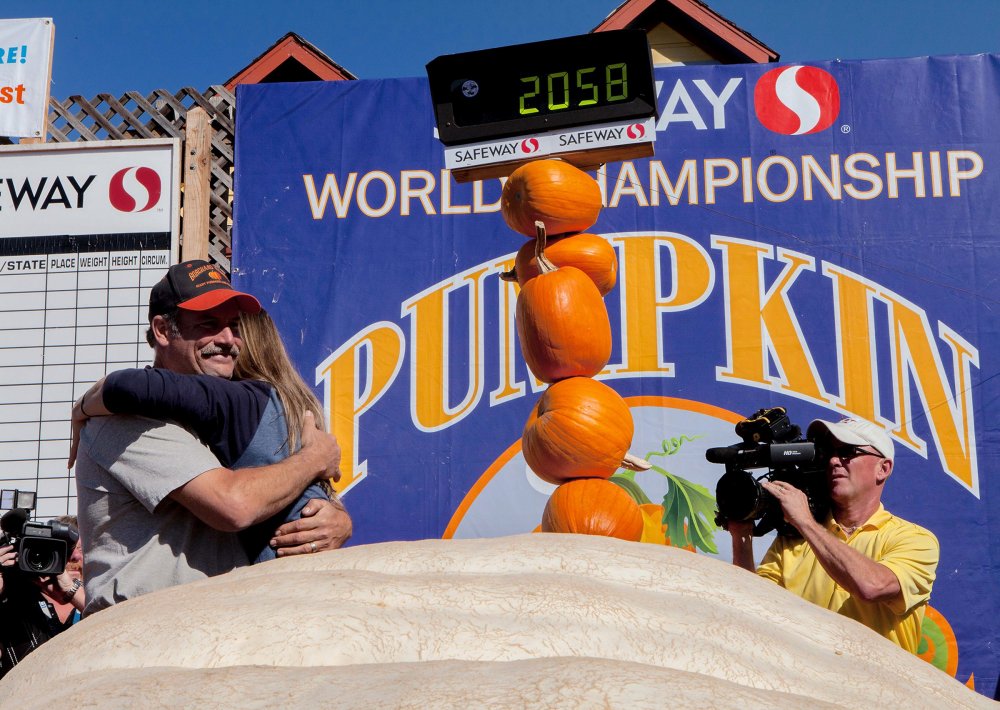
[[688, 502], [684, 502]]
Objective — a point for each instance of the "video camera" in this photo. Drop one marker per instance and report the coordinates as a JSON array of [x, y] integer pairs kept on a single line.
[[769, 440], [42, 548]]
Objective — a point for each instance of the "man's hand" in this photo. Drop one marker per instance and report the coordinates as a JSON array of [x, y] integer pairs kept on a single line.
[[322, 445], [794, 504], [56, 587], [324, 525], [8, 558]]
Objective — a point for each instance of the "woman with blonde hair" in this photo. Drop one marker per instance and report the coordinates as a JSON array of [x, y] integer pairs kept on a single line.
[[252, 420], [263, 357]]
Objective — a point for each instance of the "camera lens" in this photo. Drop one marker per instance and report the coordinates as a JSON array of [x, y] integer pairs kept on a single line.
[[37, 555], [739, 496], [39, 560]]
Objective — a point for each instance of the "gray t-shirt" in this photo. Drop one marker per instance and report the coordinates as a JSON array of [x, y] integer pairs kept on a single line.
[[136, 539]]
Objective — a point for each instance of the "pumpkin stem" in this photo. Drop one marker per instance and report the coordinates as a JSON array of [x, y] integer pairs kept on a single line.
[[508, 275], [634, 463], [544, 265]]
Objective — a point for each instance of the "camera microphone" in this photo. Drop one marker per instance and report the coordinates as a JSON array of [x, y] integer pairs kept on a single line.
[[13, 521], [761, 455], [723, 454]]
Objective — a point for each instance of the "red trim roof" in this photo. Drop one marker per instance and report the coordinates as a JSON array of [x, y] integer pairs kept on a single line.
[[691, 17], [290, 47]]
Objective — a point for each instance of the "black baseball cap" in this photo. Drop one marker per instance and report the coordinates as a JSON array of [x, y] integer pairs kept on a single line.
[[195, 286]]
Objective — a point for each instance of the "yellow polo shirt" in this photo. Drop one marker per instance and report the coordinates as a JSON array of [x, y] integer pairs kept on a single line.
[[910, 551]]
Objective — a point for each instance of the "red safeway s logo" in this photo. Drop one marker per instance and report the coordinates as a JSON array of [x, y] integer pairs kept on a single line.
[[797, 100], [636, 131], [134, 189], [529, 145]]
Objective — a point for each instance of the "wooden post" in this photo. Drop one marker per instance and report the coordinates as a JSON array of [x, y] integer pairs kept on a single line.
[[197, 184]]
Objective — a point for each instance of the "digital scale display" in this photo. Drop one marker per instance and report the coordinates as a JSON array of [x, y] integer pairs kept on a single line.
[[541, 86]]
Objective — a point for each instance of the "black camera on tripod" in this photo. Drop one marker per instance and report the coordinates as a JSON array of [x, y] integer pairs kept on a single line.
[[42, 548], [768, 440]]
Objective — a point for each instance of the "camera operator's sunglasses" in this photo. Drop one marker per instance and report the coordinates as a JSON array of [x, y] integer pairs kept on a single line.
[[846, 452]]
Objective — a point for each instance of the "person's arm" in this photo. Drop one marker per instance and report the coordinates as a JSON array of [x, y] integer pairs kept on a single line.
[[91, 404], [232, 500], [224, 414], [864, 578], [742, 533]]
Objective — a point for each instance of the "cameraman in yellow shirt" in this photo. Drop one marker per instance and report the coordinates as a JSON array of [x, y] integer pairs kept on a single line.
[[862, 561]]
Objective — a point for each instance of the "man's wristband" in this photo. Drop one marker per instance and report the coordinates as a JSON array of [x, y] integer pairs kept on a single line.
[[76, 584]]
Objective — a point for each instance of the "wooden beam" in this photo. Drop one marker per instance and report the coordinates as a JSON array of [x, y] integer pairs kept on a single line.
[[197, 185]]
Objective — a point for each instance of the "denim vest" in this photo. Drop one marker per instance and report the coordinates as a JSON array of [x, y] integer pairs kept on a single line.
[[270, 445]]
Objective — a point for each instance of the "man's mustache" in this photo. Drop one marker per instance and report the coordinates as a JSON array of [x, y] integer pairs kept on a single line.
[[231, 350]]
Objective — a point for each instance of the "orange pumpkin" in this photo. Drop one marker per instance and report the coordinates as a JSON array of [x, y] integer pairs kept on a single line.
[[562, 196], [562, 325], [579, 428], [589, 253], [593, 506]]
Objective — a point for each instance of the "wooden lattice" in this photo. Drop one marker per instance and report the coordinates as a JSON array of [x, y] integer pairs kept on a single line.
[[161, 114]]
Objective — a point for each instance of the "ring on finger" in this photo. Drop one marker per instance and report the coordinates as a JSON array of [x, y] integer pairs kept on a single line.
[[312, 547]]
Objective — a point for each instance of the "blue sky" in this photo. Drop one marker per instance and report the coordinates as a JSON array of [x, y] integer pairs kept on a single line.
[[110, 47]]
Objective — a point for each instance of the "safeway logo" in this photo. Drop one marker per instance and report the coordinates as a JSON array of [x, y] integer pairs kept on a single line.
[[529, 145], [135, 189], [635, 131], [797, 100]]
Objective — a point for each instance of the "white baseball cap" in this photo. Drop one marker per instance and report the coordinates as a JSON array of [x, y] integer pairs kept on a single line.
[[856, 432]]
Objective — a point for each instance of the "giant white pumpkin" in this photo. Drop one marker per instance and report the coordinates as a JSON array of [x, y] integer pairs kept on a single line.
[[540, 621]]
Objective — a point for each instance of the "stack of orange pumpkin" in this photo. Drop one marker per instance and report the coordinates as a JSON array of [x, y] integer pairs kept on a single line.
[[580, 430]]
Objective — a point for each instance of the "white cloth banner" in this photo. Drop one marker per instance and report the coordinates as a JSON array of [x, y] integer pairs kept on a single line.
[[25, 67]]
